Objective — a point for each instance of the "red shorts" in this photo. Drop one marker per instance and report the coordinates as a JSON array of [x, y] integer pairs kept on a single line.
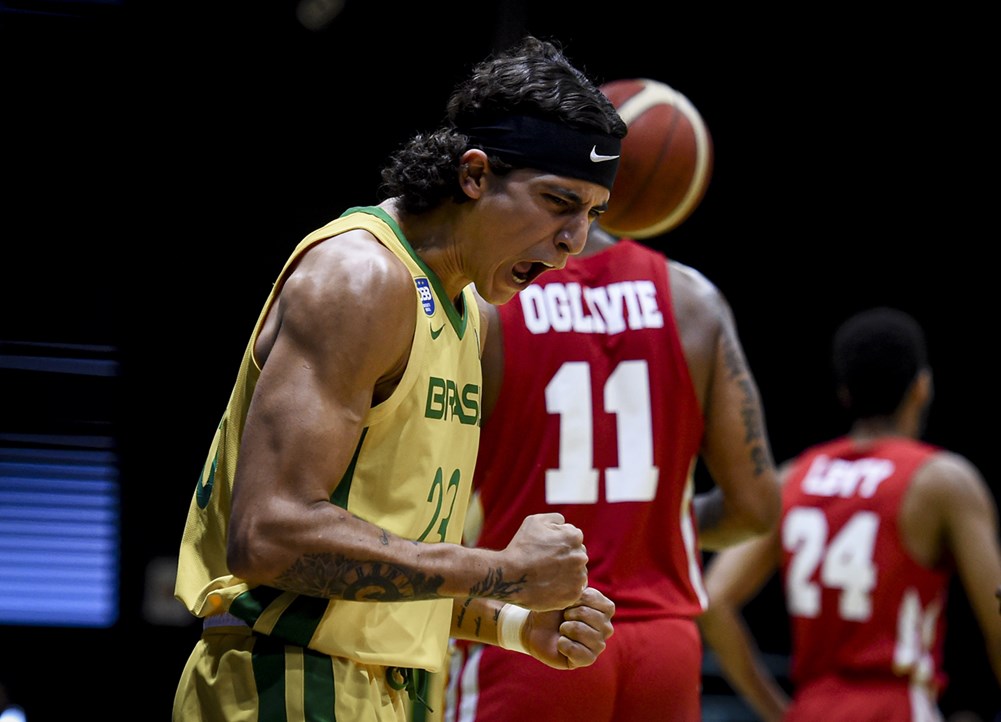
[[835, 698], [650, 670]]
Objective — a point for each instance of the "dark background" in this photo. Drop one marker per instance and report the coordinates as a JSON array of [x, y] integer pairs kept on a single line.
[[160, 160]]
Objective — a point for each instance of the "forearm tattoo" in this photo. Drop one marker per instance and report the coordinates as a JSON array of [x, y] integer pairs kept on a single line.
[[334, 576], [477, 621], [496, 587], [750, 410]]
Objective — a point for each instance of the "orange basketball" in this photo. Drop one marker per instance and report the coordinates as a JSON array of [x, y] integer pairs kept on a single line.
[[666, 163]]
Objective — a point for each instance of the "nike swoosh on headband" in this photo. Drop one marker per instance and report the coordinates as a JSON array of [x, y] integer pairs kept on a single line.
[[596, 157]]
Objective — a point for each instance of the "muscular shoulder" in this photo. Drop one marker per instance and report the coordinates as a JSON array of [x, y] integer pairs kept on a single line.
[[349, 275], [703, 319], [948, 478], [339, 291], [698, 302], [946, 493]]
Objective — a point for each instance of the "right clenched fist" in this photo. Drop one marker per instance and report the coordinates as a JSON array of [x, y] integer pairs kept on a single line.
[[548, 556]]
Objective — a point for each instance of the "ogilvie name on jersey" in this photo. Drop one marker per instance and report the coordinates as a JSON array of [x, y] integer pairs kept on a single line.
[[611, 309]]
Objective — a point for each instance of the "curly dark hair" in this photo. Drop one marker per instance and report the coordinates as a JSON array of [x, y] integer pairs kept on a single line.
[[532, 78], [876, 355]]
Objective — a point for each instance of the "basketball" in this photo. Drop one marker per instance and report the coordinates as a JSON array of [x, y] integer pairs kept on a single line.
[[666, 163]]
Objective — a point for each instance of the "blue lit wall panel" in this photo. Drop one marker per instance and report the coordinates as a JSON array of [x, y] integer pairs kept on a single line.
[[59, 537]]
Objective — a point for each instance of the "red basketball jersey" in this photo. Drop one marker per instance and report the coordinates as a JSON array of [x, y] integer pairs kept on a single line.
[[597, 419], [861, 606]]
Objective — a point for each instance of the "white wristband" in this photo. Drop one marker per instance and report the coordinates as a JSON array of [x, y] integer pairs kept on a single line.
[[510, 622]]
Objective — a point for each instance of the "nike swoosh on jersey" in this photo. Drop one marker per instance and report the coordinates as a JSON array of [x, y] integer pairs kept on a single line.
[[436, 334], [597, 157]]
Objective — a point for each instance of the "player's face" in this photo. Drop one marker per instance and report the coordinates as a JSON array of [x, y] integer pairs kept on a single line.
[[531, 222]]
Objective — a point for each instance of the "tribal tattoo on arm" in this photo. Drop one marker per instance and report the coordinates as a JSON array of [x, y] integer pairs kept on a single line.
[[334, 576]]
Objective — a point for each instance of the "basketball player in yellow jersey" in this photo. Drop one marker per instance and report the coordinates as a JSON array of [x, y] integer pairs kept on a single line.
[[322, 541]]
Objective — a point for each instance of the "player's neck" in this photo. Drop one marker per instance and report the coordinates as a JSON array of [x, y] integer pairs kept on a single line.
[[882, 427]]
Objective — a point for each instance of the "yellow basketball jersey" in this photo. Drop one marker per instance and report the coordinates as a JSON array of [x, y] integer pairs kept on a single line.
[[411, 475]]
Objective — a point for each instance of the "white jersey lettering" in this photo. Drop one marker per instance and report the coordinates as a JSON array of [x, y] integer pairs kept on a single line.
[[839, 477], [611, 309]]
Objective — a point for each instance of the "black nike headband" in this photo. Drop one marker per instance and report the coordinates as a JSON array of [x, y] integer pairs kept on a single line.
[[525, 141]]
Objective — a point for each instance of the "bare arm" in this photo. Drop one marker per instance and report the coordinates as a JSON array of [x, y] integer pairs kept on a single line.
[[952, 509], [322, 370], [733, 577], [735, 449]]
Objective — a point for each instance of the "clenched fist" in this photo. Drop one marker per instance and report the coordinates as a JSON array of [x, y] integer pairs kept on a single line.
[[548, 560], [573, 637]]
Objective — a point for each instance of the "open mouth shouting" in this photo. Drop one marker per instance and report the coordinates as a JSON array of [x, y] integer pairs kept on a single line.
[[527, 271]]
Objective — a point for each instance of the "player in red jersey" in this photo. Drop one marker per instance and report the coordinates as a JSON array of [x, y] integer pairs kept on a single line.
[[610, 379], [873, 526]]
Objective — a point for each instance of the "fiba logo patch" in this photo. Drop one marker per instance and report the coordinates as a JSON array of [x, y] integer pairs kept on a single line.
[[424, 293]]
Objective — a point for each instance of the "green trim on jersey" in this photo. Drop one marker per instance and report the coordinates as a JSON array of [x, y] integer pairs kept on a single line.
[[456, 317], [340, 495]]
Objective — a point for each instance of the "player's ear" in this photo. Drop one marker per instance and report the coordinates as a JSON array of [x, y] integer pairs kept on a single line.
[[472, 169], [924, 387]]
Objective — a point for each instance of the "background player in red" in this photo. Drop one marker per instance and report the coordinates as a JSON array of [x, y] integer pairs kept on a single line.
[[873, 526], [608, 379]]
